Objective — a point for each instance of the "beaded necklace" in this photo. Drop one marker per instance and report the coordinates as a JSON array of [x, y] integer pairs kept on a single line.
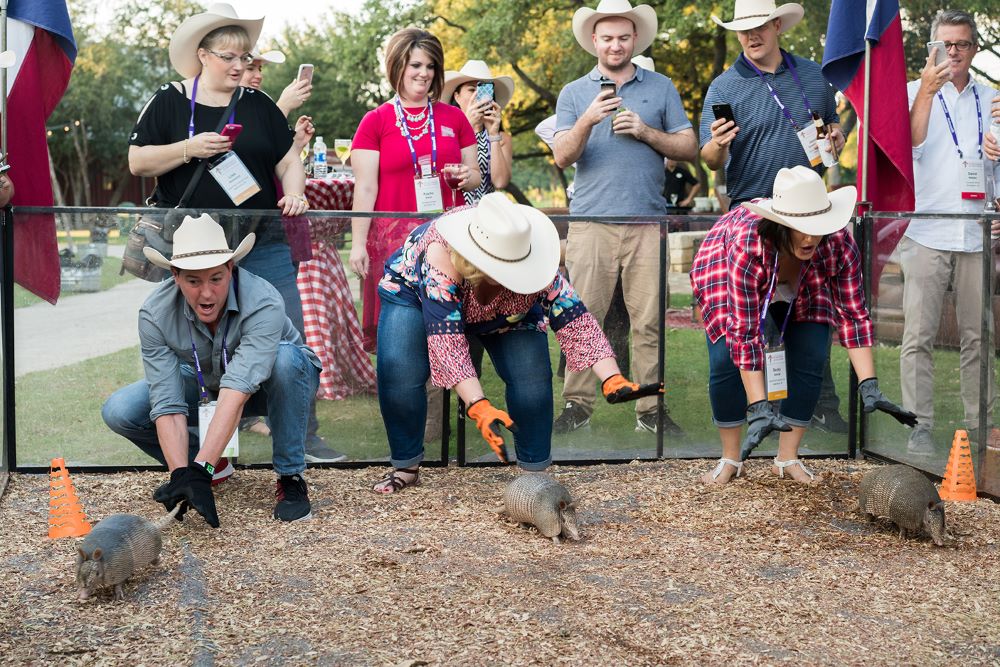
[[415, 131]]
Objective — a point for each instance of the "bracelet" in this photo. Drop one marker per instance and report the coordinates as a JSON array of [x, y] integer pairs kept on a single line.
[[494, 138], [186, 158]]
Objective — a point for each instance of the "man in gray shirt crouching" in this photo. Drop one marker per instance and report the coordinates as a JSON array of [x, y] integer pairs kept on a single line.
[[216, 344]]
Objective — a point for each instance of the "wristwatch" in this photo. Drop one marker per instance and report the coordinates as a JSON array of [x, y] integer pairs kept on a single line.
[[494, 138]]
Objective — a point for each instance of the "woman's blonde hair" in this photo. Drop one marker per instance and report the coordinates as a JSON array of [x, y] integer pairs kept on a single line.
[[397, 57], [228, 34], [467, 269]]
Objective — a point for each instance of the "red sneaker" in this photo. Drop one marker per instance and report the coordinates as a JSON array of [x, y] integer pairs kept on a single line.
[[223, 471]]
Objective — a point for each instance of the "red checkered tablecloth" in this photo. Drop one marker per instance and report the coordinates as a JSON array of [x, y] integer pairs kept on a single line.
[[331, 321]]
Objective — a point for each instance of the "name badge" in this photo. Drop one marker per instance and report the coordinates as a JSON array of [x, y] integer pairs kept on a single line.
[[206, 411], [775, 374], [234, 177], [973, 179], [807, 138], [428, 190]]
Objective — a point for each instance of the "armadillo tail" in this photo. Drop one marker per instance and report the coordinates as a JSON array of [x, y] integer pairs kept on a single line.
[[165, 521]]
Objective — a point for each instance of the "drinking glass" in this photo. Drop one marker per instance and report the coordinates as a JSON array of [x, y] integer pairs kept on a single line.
[[342, 147], [450, 172]]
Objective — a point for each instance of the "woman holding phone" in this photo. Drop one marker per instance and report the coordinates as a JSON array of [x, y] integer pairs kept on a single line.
[[292, 97], [398, 155], [482, 97]]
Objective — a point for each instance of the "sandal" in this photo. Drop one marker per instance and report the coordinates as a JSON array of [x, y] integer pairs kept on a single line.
[[781, 465], [723, 462], [395, 482]]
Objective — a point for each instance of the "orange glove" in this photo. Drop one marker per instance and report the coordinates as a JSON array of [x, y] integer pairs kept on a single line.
[[488, 421], [619, 390]]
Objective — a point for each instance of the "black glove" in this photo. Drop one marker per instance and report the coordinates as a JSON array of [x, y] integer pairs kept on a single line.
[[873, 399], [617, 389], [761, 421], [192, 486]]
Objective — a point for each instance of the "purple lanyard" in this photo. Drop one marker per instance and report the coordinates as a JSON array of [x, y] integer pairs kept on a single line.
[[791, 304], [197, 361], [401, 115], [194, 96], [791, 68], [951, 123]]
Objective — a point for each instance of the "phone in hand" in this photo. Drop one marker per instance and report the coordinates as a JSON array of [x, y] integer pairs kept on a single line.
[[484, 90], [305, 72], [942, 53], [231, 131], [723, 110], [608, 84]]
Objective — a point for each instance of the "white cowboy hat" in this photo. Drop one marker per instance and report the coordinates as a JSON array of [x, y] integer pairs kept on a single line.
[[7, 58], [644, 62], [801, 202], [200, 243], [642, 16], [185, 40], [477, 70], [515, 245], [750, 14], [276, 57]]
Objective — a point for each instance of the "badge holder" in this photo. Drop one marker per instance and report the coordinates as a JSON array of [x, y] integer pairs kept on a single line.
[[427, 188], [206, 412], [973, 180], [234, 177]]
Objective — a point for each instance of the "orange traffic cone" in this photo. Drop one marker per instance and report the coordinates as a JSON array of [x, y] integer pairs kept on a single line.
[[66, 516], [959, 478]]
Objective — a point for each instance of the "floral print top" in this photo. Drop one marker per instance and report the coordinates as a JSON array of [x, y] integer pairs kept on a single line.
[[451, 311]]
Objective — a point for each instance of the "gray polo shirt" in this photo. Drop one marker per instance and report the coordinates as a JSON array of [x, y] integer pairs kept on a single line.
[[617, 174], [257, 323]]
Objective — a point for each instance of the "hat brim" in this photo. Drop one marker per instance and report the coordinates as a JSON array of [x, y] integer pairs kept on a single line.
[[642, 16], [503, 86], [527, 276], [199, 262], [842, 204], [185, 40], [276, 57], [790, 14], [7, 58]]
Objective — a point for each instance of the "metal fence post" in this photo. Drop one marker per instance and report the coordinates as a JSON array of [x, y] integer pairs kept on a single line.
[[986, 350], [662, 342], [7, 336], [857, 440]]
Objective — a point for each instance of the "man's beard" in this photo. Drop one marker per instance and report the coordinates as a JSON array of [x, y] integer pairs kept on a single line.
[[616, 68]]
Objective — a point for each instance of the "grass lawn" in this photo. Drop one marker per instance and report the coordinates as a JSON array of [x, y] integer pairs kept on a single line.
[[110, 268]]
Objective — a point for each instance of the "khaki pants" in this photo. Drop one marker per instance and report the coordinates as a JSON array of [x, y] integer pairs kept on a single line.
[[926, 274], [595, 255]]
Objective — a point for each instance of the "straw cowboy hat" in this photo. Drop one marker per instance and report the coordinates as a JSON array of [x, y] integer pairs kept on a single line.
[[801, 202], [477, 70], [276, 57], [515, 245], [7, 58], [187, 37], [750, 14], [200, 243], [642, 16], [644, 62]]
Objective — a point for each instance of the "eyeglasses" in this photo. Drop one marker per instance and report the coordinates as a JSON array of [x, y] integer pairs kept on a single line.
[[964, 45], [229, 58]]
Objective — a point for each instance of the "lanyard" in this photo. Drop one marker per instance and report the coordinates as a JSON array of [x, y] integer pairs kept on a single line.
[[197, 361], [194, 95], [770, 293], [795, 75], [951, 123], [401, 115]]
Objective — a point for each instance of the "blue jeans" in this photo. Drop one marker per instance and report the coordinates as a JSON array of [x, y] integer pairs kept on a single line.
[[285, 397], [806, 350], [522, 362]]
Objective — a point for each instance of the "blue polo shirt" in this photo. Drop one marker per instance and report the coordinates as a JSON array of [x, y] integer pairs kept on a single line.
[[766, 141], [617, 174]]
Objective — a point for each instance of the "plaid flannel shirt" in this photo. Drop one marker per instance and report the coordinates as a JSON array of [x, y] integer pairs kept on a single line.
[[731, 274]]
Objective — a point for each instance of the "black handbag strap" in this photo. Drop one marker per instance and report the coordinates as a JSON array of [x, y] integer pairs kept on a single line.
[[204, 163]]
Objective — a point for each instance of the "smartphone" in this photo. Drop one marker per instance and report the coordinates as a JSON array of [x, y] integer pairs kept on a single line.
[[484, 90], [723, 110], [305, 72], [608, 84], [232, 130], [942, 53]]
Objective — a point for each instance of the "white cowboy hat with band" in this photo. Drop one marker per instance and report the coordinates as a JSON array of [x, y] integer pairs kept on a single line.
[[801, 202], [477, 70], [276, 57], [200, 243], [644, 62], [643, 17], [185, 40], [750, 14], [515, 245], [7, 58]]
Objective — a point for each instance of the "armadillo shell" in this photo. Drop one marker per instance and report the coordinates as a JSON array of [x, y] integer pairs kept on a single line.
[[897, 493], [534, 499], [128, 542]]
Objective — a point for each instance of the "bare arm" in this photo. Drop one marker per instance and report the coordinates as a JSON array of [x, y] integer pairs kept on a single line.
[[501, 161], [692, 193], [158, 160], [569, 144], [932, 77], [753, 385], [294, 95], [365, 164], [171, 431], [293, 181], [862, 361], [716, 151]]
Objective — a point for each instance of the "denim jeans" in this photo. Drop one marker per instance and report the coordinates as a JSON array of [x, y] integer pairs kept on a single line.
[[284, 397], [521, 359], [806, 350]]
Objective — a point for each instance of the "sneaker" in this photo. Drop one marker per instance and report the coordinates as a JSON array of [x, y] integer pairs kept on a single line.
[[647, 423], [317, 451], [829, 421], [920, 443], [223, 470], [574, 416], [293, 499]]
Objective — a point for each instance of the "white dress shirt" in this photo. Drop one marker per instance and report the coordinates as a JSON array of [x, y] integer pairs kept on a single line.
[[938, 173]]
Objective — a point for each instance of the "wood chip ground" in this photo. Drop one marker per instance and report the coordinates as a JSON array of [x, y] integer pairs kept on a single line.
[[667, 572]]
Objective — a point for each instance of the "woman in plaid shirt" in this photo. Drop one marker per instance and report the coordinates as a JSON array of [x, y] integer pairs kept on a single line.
[[771, 278]]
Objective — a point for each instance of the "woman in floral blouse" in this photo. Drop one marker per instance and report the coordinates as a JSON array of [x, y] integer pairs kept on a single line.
[[489, 272]]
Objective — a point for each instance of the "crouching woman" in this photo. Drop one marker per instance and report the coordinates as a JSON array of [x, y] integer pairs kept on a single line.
[[489, 272]]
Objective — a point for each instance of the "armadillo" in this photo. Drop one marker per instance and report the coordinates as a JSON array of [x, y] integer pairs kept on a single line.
[[537, 499], [117, 548], [906, 498]]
